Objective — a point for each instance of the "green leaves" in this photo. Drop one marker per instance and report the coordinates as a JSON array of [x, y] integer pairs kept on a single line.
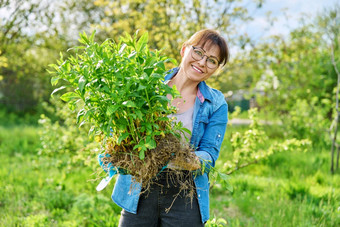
[[123, 137], [251, 146], [86, 40], [57, 89], [67, 97], [111, 109], [81, 83], [144, 145], [142, 42], [121, 89], [142, 154], [54, 80], [224, 180], [129, 104]]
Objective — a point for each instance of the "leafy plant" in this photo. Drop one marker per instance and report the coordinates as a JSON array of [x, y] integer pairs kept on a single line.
[[217, 222], [251, 146], [121, 88], [64, 137], [122, 97], [307, 120]]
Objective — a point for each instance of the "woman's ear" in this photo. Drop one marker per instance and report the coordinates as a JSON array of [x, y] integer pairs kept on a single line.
[[183, 50]]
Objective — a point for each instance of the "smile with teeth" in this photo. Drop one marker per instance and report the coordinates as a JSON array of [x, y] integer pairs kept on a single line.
[[197, 69]]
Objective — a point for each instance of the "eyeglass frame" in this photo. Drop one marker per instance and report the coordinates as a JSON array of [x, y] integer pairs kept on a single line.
[[194, 48]]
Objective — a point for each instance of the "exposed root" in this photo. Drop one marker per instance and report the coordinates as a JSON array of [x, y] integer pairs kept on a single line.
[[183, 180], [169, 148]]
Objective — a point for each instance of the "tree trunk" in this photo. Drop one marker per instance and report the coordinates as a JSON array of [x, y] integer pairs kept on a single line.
[[333, 146], [337, 114], [337, 158]]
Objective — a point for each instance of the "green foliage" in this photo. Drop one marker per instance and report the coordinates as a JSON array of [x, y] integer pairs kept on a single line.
[[293, 76], [10, 145], [297, 191], [251, 146], [3, 64], [298, 69], [296, 81], [38, 190], [280, 70], [59, 139], [121, 90], [170, 23], [284, 189], [217, 177], [217, 222], [306, 120], [12, 119], [65, 137], [31, 37]]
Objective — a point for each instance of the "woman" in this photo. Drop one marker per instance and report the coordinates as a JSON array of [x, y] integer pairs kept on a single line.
[[203, 111]]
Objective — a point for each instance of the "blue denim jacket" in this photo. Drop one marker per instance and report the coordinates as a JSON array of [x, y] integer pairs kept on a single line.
[[209, 125]]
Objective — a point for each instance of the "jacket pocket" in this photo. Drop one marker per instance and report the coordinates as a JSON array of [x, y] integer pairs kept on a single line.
[[218, 139]]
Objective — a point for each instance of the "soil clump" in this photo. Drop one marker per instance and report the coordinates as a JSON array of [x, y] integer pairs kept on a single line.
[[169, 148]]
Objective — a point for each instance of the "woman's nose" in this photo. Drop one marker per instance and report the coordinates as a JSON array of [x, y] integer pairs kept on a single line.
[[202, 61]]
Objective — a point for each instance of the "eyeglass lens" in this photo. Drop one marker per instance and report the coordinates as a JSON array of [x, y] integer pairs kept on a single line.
[[198, 54]]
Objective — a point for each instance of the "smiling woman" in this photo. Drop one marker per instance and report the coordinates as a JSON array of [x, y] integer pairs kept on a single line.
[[130, 101], [206, 110]]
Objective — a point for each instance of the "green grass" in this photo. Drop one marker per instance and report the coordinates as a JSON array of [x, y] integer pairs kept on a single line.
[[47, 191], [287, 189]]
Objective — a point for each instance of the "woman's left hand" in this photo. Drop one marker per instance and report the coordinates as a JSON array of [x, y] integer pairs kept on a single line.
[[191, 163]]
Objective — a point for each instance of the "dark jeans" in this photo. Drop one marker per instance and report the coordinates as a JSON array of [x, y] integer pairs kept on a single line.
[[152, 207]]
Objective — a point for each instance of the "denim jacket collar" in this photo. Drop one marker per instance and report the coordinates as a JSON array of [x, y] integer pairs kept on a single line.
[[203, 88]]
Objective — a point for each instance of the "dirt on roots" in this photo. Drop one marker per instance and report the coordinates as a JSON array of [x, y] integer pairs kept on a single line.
[[169, 148]]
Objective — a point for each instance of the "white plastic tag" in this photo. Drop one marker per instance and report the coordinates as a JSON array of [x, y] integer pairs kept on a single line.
[[103, 183]]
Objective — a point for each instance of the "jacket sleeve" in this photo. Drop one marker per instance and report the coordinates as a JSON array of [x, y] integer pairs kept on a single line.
[[107, 167], [210, 144]]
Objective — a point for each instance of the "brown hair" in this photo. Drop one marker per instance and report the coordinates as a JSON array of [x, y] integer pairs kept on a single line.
[[211, 37]]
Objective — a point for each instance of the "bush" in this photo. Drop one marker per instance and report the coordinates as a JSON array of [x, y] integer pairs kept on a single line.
[[252, 145], [63, 136], [308, 121]]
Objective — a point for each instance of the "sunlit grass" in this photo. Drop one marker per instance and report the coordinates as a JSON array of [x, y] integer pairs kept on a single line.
[[43, 191], [287, 189]]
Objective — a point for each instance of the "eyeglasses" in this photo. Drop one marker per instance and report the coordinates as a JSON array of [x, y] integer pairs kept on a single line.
[[198, 54]]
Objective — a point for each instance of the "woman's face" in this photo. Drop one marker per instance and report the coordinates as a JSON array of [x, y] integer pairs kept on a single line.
[[197, 70]]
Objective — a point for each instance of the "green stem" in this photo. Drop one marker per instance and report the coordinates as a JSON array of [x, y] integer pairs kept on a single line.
[[133, 130], [148, 100]]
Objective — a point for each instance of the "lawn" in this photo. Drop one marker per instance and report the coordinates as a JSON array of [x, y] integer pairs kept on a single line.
[[287, 189]]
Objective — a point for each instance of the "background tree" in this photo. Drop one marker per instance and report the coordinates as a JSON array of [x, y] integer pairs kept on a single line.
[[170, 23], [294, 77], [31, 36], [329, 22], [34, 32]]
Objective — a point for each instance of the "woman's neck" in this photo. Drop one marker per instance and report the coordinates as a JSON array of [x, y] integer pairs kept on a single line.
[[188, 90], [183, 84]]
